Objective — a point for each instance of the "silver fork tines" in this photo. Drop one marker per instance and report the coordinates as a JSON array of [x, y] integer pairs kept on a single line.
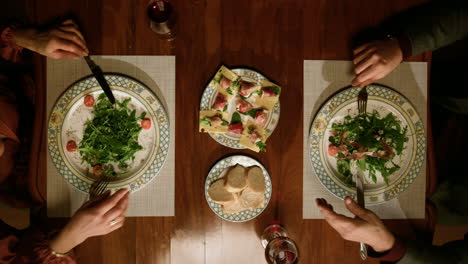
[[362, 100], [98, 187]]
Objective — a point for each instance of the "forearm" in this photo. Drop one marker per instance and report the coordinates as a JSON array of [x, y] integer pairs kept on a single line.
[[65, 241], [430, 26]]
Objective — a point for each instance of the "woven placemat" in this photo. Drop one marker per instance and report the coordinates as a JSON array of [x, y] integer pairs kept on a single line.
[[157, 73], [324, 78]]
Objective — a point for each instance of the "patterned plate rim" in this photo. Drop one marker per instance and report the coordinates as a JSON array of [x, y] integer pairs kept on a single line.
[[208, 182], [163, 126], [415, 167], [229, 141]]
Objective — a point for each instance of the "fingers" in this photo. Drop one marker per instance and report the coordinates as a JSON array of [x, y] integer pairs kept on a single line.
[[105, 205], [67, 45], [363, 55], [70, 22], [360, 48], [354, 208], [366, 76], [119, 209], [73, 37], [71, 26], [61, 54], [327, 209], [366, 63], [119, 222]]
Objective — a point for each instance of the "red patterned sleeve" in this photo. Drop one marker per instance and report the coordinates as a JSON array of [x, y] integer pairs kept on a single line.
[[9, 51], [31, 247]]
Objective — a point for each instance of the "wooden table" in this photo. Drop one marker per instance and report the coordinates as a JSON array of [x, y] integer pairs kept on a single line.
[[273, 37]]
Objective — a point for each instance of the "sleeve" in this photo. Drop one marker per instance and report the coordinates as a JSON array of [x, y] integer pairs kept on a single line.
[[430, 26], [33, 247], [419, 252], [9, 51]]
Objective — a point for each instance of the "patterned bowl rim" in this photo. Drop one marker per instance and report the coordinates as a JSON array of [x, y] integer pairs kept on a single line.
[[164, 151], [401, 179], [208, 182]]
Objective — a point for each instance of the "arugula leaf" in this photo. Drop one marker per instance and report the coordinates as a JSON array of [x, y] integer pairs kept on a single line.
[[261, 146], [370, 132], [225, 123], [229, 91], [253, 112], [225, 108], [251, 129], [276, 89], [205, 121], [236, 118], [111, 136]]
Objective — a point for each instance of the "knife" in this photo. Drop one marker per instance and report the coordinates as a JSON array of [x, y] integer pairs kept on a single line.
[[360, 199], [99, 75]]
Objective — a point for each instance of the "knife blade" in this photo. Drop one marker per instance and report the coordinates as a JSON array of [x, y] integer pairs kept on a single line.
[[99, 75]]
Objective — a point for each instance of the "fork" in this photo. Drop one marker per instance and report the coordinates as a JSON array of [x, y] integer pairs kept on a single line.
[[362, 100], [362, 108], [98, 187]]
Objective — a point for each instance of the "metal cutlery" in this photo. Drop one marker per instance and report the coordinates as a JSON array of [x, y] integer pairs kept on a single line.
[[362, 108], [99, 75]]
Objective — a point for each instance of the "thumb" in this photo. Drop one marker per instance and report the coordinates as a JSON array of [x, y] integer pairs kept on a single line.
[[354, 208]]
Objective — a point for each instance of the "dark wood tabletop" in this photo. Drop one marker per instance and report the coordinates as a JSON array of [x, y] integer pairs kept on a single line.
[[273, 37]]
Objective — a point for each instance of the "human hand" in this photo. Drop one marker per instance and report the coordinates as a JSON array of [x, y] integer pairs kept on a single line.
[[62, 42], [95, 218], [375, 60], [364, 227]]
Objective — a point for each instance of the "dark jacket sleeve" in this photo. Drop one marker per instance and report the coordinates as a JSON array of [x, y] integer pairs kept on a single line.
[[422, 252], [455, 252], [430, 26]]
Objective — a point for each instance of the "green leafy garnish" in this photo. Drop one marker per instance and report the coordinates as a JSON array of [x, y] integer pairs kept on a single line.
[[369, 133], [225, 108], [111, 136], [229, 91], [236, 118], [261, 146], [205, 121], [225, 123], [251, 129], [253, 112], [276, 89]]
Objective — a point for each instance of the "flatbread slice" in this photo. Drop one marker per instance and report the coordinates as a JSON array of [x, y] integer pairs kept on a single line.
[[218, 193], [256, 179], [230, 78], [234, 206], [236, 179], [250, 199], [268, 102], [206, 123], [245, 139]]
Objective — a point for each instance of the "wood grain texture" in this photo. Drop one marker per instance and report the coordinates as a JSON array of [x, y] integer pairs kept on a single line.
[[273, 37]]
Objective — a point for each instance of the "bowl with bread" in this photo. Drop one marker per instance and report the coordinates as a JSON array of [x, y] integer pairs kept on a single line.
[[238, 188]]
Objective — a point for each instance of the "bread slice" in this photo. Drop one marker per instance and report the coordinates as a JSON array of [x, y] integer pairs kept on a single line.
[[250, 199], [218, 193], [236, 180], [256, 179], [234, 206]]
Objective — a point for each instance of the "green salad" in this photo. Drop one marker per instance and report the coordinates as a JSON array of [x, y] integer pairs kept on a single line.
[[111, 136], [369, 142]]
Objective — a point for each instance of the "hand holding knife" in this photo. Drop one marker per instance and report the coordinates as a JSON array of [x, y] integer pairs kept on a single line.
[[99, 75]]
